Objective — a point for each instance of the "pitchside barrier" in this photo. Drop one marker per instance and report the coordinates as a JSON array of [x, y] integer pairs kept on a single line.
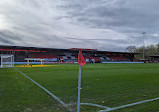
[[22, 63], [118, 62], [66, 62], [122, 62]]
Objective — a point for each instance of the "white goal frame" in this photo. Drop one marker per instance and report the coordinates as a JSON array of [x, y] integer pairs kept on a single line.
[[8, 63]]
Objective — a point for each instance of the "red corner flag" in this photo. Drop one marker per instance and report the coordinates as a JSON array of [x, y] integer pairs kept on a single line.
[[81, 59]]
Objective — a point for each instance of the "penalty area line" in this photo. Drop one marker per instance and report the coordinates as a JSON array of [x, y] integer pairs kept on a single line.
[[129, 105], [47, 91]]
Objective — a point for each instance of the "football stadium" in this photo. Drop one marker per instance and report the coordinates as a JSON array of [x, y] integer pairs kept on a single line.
[[46, 79], [79, 56]]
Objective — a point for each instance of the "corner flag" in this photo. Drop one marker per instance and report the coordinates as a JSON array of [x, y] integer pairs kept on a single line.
[[81, 62], [81, 59]]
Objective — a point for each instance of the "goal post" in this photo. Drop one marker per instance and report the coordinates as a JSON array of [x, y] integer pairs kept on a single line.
[[6, 60]]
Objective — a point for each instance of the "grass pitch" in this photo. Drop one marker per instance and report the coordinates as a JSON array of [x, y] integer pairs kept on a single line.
[[109, 85]]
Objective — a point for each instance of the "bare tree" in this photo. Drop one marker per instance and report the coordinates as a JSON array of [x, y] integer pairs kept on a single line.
[[131, 49], [152, 49]]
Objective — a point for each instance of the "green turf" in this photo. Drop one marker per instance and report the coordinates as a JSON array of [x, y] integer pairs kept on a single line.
[[104, 84]]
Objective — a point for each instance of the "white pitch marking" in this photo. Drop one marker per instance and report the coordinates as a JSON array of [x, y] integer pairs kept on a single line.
[[47, 91], [128, 105], [96, 105], [90, 104]]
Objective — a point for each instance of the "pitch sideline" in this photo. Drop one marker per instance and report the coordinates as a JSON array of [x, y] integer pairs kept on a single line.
[[129, 105]]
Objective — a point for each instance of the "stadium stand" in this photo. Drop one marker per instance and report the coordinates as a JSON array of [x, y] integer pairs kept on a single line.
[[48, 56], [65, 55]]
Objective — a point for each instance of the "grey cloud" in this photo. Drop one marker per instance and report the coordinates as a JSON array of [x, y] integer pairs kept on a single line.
[[139, 15], [8, 38], [52, 23], [6, 41]]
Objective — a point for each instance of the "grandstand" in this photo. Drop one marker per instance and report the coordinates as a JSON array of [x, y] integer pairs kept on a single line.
[[22, 54]]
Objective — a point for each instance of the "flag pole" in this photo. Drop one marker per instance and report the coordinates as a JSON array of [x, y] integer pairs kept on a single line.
[[79, 89]]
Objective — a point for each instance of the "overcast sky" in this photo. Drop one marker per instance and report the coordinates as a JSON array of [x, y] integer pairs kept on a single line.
[[97, 24]]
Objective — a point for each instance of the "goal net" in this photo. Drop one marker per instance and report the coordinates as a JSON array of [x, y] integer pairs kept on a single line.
[[6, 61]]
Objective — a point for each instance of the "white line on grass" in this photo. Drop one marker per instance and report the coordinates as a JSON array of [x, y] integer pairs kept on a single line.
[[96, 105], [91, 104], [47, 91], [128, 105]]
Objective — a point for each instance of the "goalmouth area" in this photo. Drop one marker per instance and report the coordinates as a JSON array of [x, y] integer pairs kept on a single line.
[[105, 87], [6, 60]]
